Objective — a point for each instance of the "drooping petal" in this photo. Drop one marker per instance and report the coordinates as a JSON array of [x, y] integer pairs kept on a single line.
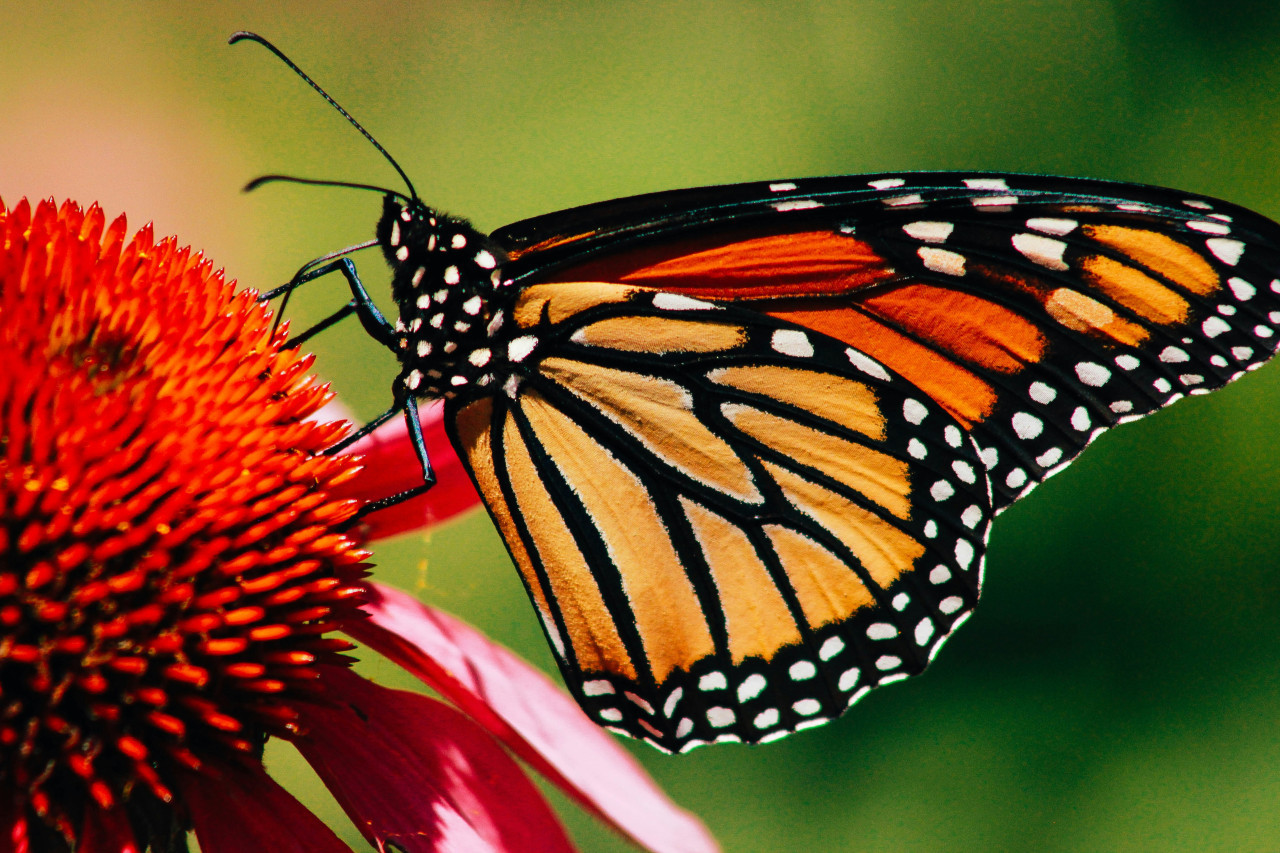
[[245, 810], [391, 467], [536, 719], [413, 772]]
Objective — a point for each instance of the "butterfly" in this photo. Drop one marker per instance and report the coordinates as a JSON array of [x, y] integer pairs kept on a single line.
[[745, 443]]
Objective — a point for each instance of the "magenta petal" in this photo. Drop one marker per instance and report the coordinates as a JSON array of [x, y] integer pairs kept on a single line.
[[244, 809], [533, 716], [413, 772], [391, 467]]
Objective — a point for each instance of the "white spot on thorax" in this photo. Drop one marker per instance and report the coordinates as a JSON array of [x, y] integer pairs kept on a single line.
[[520, 348], [472, 306], [402, 254], [451, 275], [458, 241], [485, 260], [394, 239]]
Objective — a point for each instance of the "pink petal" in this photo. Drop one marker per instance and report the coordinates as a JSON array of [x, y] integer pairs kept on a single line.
[[413, 772], [106, 832], [391, 467], [528, 712], [243, 809]]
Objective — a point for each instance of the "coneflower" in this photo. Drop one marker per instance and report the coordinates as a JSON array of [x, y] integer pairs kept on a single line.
[[174, 574]]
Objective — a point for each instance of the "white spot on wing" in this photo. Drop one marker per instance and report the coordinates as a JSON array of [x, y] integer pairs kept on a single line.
[[1209, 227], [712, 681], [781, 187], [751, 687], [832, 647], [1225, 249], [986, 183], [1042, 250], [802, 670], [1214, 326], [942, 260], [597, 688], [886, 183], [1243, 290], [792, 342], [1056, 227], [1027, 426], [796, 204], [867, 364], [929, 232], [720, 717], [679, 302]]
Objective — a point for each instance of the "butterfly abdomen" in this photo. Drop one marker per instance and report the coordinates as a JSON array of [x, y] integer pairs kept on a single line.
[[445, 282]]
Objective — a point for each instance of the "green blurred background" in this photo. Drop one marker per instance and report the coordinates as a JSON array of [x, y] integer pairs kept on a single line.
[[1117, 689]]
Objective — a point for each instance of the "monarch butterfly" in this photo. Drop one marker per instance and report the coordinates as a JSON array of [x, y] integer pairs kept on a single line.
[[745, 443]]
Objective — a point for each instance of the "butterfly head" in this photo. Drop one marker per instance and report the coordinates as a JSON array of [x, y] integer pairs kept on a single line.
[[446, 277]]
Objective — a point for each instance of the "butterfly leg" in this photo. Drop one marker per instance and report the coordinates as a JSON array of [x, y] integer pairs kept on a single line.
[[409, 406], [361, 305]]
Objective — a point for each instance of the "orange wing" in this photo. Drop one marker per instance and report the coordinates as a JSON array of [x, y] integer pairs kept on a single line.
[[731, 528]]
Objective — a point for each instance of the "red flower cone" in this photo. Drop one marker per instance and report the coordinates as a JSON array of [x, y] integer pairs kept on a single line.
[[175, 565]]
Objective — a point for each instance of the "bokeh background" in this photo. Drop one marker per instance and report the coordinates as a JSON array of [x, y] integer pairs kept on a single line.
[[1117, 688]]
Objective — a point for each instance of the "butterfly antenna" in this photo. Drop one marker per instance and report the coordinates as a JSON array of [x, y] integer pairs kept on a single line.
[[315, 182], [241, 36]]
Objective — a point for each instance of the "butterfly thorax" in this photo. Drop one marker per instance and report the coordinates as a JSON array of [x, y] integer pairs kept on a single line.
[[445, 281]]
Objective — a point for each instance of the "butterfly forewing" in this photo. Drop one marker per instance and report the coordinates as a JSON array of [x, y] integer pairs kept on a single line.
[[745, 443], [732, 528], [1037, 311]]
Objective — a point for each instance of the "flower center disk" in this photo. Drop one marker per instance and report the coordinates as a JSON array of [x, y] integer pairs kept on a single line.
[[169, 565]]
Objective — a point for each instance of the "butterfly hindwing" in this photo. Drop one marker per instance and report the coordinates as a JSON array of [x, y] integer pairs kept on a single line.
[[731, 527]]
